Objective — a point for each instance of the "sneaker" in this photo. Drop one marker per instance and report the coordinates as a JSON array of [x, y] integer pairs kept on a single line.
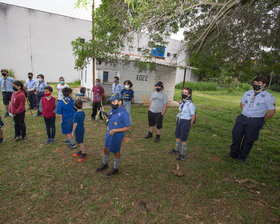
[[101, 121], [157, 138], [17, 138], [112, 172], [51, 140], [91, 119], [48, 141], [149, 135], [82, 158], [36, 115], [72, 146], [66, 141], [23, 138], [174, 152], [102, 167], [181, 157], [6, 114], [79, 153]]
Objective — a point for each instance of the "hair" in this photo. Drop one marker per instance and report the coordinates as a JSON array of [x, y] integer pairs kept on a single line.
[[61, 77], [41, 75], [49, 88], [128, 82], [66, 91], [22, 87], [189, 90], [116, 77], [5, 70], [261, 79], [97, 80], [78, 104], [30, 73]]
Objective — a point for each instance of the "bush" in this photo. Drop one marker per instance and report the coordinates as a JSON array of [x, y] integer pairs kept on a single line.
[[275, 87], [12, 73], [201, 86], [244, 87]]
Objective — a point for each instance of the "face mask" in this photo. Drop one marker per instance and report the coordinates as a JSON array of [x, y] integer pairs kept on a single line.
[[114, 106], [30, 77], [39, 80], [158, 89], [256, 87], [126, 86], [97, 83], [15, 89], [116, 81], [184, 96], [4, 74], [47, 94], [62, 82]]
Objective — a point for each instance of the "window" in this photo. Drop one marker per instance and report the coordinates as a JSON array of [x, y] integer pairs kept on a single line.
[[158, 51], [174, 55], [139, 49], [105, 76], [130, 48], [168, 54]]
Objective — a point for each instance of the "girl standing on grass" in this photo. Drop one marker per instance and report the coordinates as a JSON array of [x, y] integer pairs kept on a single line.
[[185, 119], [60, 86], [128, 96], [17, 110]]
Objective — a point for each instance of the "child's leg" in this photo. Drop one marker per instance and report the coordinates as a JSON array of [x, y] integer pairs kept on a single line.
[[82, 148], [22, 125], [94, 110], [16, 125], [47, 123], [117, 160], [52, 127], [105, 155], [178, 141], [184, 148], [1, 134]]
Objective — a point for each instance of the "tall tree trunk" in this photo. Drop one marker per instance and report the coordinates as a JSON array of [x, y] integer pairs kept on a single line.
[[270, 79]]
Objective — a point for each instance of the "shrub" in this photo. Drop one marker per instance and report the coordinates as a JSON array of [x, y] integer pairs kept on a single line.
[[201, 86], [275, 87], [12, 73], [244, 87]]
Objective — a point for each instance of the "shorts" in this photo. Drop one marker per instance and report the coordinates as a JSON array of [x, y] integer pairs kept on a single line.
[[114, 142], [7, 97], [182, 129], [155, 119], [1, 123], [67, 125], [79, 134]]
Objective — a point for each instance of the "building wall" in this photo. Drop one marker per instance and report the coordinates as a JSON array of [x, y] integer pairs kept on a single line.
[[40, 42]]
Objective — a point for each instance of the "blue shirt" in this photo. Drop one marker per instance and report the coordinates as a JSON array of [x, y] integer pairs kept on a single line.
[[30, 84], [116, 88], [79, 118], [40, 86], [9, 81], [128, 94], [118, 118], [186, 110], [65, 107], [257, 105]]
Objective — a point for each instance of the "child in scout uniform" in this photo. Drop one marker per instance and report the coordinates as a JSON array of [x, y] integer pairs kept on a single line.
[[157, 108], [79, 129], [117, 123], [17, 110], [1, 132], [47, 107], [30, 84], [40, 89], [60, 86], [185, 119], [66, 111], [6, 84], [128, 96]]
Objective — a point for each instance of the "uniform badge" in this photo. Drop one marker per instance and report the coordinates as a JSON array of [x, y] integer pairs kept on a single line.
[[246, 101], [258, 104], [248, 94], [115, 123], [273, 104], [263, 96]]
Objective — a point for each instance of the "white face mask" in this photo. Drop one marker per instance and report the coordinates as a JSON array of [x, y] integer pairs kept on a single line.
[[126, 86], [39, 80]]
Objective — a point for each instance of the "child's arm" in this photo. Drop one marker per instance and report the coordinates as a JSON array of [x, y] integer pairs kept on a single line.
[[55, 106], [104, 113], [60, 118], [124, 129], [74, 128], [40, 106]]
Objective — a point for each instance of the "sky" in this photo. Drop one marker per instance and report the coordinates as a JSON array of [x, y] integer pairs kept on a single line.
[[65, 7]]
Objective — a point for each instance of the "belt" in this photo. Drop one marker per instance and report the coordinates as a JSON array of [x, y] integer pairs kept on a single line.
[[252, 117]]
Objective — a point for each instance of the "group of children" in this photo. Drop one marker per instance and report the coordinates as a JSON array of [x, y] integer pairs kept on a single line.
[[72, 117]]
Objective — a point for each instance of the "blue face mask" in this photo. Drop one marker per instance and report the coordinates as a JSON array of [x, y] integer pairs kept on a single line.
[[62, 82], [97, 83], [114, 106]]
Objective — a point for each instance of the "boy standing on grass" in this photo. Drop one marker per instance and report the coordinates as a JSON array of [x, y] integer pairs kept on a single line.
[[66, 111], [98, 94], [47, 107], [79, 129], [117, 123], [40, 89]]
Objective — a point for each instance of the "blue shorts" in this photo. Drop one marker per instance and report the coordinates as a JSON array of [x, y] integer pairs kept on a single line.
[[182, 129], [114, 142], [67, 125], [1, 123], [79, 134]]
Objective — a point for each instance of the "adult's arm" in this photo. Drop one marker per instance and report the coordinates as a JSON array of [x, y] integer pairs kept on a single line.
[[193, 118], [269, 114], [164, 109], [241, 106], [124, 129]]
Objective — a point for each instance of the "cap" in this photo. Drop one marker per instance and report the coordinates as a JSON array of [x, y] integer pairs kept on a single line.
[[159, 83], [116, 96]]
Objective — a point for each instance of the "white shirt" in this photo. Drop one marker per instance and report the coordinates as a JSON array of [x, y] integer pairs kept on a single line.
[[60, 88]]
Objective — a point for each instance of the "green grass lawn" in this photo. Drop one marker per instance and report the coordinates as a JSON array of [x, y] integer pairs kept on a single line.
[[45, 184]]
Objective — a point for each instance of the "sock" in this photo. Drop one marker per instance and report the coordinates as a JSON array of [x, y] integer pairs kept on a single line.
[[116, 163], [71, 141], [184, 150], [105, 159], [6, 110], [177, 148]]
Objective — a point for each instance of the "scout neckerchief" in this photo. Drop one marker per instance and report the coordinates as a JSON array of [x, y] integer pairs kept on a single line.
[[109, 116], [5, 84], [182, 103], [66, 100], [251, 104]]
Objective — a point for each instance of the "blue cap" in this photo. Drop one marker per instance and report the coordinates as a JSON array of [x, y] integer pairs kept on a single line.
[[116, 96]]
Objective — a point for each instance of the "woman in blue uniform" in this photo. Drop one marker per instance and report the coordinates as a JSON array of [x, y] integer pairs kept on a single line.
[[185, 119], [118, 122]]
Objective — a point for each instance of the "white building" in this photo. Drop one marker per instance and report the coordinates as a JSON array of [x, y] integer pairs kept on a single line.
[[39, 42]]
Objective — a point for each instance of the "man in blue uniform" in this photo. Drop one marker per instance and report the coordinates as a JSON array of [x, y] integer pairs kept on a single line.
[[40, 88], [118, 122], [257, 106], [6, 88]]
